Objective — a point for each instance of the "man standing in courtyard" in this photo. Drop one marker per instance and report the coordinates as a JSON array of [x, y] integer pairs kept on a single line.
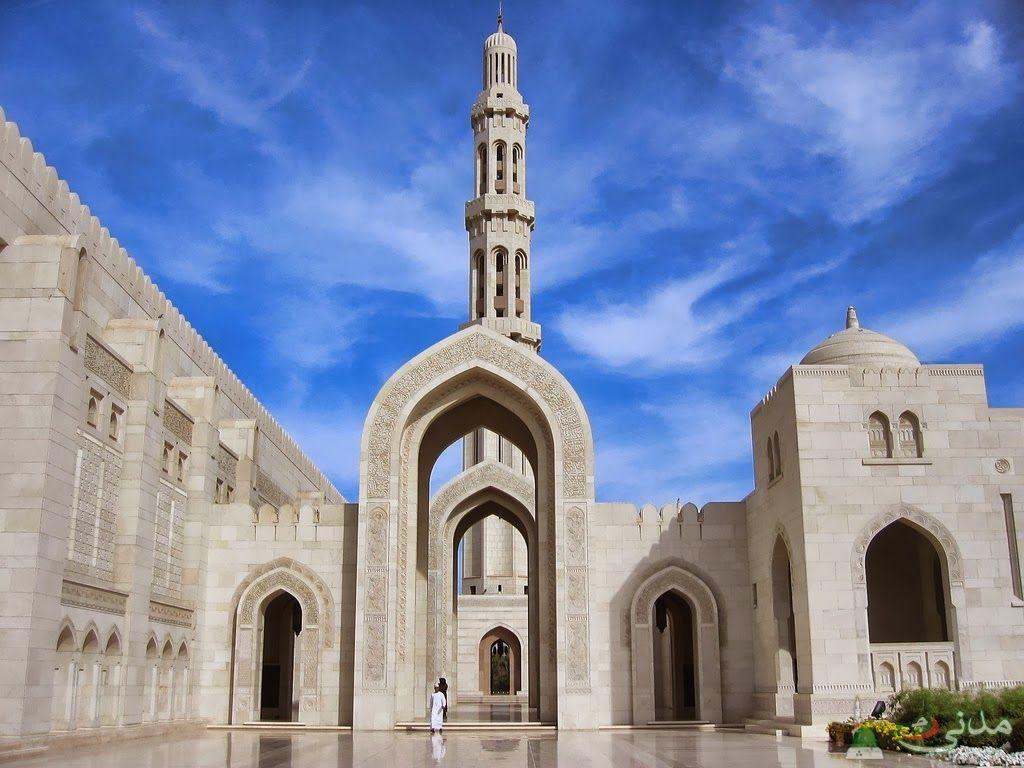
[[437, 705]]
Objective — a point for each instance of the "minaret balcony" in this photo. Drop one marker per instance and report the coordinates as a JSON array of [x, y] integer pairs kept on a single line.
[[510, 205], [516, 328], [502, 101]]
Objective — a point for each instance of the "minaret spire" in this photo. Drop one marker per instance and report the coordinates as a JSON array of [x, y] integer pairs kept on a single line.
[[500, 218]]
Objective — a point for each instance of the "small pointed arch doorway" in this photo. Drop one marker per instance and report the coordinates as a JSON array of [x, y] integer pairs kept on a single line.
[[674, 650], [501, 662], [282, 625], [485, 492], [785, 660], [674, 613]]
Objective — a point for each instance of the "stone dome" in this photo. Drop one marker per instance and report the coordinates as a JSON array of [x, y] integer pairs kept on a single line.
[[858, 346], [500, 40]]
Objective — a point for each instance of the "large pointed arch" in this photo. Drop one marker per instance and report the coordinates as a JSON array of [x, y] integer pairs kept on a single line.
[[460, 383], [486, 488]]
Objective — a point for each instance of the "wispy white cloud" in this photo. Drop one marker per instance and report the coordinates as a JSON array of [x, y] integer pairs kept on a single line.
[[890, 101], [239, 91], [684, 323], [310, 329], [980, 308], [329, 435], [689, 444]]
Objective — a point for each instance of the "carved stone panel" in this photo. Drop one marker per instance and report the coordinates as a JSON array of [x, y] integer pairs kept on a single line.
[[177, 422], [108, 366], [94, 598]]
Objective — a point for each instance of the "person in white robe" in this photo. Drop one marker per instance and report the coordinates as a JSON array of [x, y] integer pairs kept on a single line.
[[437, 705]]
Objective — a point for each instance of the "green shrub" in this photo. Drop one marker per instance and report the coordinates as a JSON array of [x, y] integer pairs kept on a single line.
[[1017, 736], [943, 705]]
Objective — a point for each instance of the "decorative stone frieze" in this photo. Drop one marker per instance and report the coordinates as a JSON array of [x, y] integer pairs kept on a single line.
[[168, 613], [269, 491], [75, 593], [177, 422], [108, 366]]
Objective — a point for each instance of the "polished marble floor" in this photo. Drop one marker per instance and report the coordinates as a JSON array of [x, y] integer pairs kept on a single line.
[[603, 749]]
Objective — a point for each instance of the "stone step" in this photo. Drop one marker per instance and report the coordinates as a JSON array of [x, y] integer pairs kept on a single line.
[[256, 725], [664, 725], [482, 725]]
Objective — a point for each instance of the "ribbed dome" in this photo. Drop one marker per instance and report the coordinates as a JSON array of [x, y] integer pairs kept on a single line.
[[500, 40], [859, 346]]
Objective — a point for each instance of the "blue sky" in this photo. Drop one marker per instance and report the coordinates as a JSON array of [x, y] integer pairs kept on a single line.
[[714, 184]]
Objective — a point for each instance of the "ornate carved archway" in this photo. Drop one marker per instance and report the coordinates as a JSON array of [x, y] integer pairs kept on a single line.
[[249, 600], [698, 594], [940, 535], [473, 365], [950, 561]]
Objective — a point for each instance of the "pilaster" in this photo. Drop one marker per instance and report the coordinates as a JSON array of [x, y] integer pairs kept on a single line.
[[39, 410]]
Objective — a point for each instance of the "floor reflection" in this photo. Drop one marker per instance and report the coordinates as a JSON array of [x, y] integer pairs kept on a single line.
[[601, 749], [495, 713]]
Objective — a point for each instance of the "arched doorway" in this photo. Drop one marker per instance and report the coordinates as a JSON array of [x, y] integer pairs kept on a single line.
[[500, 669], [678, 600], [282, 624], [501, 657], [674, 650], [483, 501], [475, 379], [785, 661], [907, 595]]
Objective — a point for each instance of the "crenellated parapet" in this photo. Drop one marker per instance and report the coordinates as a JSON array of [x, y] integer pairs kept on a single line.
[[46, 190]]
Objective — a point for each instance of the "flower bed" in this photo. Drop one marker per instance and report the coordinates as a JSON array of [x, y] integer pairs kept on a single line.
[[982, 756]]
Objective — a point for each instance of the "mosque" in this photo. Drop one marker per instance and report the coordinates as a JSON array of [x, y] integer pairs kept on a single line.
[[169, 556]]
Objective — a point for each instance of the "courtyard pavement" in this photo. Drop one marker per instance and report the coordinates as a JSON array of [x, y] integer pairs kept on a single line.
[[603, 749]]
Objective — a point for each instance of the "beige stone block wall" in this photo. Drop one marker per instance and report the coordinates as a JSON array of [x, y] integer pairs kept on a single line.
[[478, 615], [237, 548], [627, 547]]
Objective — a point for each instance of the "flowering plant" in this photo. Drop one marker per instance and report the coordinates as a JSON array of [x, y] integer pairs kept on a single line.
[[888, 734]]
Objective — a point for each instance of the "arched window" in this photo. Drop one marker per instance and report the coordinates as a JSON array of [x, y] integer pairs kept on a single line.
[[778, 454], [168, 457], [879, 437], [520, 266], [500, 272], [113, 431], [915, 611], [92, 411], [517, 161], [769, 457], [910, 435], [499, 167], [481, 169], [480, 283]]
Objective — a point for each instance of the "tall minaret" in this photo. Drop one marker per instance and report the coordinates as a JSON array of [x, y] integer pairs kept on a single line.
[[499, 218]]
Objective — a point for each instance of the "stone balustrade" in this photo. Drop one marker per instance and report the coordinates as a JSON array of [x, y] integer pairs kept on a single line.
[[905, 666]]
